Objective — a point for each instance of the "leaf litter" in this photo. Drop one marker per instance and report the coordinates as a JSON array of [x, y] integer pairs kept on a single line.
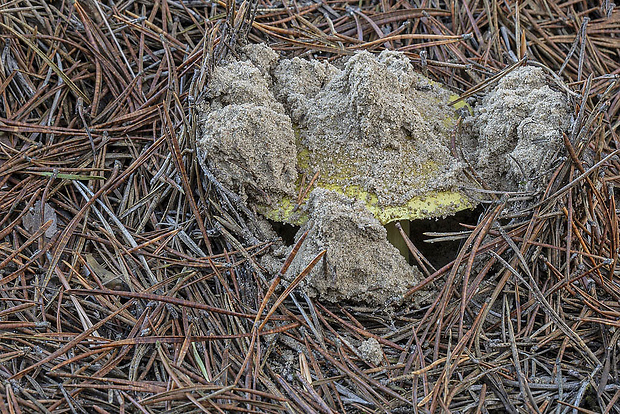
[[524, 318]]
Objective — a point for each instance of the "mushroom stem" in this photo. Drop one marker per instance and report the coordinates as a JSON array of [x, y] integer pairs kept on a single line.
[[396, 239]]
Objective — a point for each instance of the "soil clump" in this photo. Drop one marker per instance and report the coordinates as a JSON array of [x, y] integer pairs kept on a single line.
[[370, 351], [515, 134], [246, 133], [360, 265]]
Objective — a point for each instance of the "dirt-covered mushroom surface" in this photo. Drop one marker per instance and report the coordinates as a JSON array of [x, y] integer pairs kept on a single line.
[[377, 141]]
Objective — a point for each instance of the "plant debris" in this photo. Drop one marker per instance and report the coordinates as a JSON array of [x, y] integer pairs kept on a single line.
[[100, 111]]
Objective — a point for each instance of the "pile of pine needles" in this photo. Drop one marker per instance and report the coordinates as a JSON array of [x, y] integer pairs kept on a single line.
[[129, 279]]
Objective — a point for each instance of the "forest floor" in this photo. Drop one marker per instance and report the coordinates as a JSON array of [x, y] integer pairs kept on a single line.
[[132, 279]]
